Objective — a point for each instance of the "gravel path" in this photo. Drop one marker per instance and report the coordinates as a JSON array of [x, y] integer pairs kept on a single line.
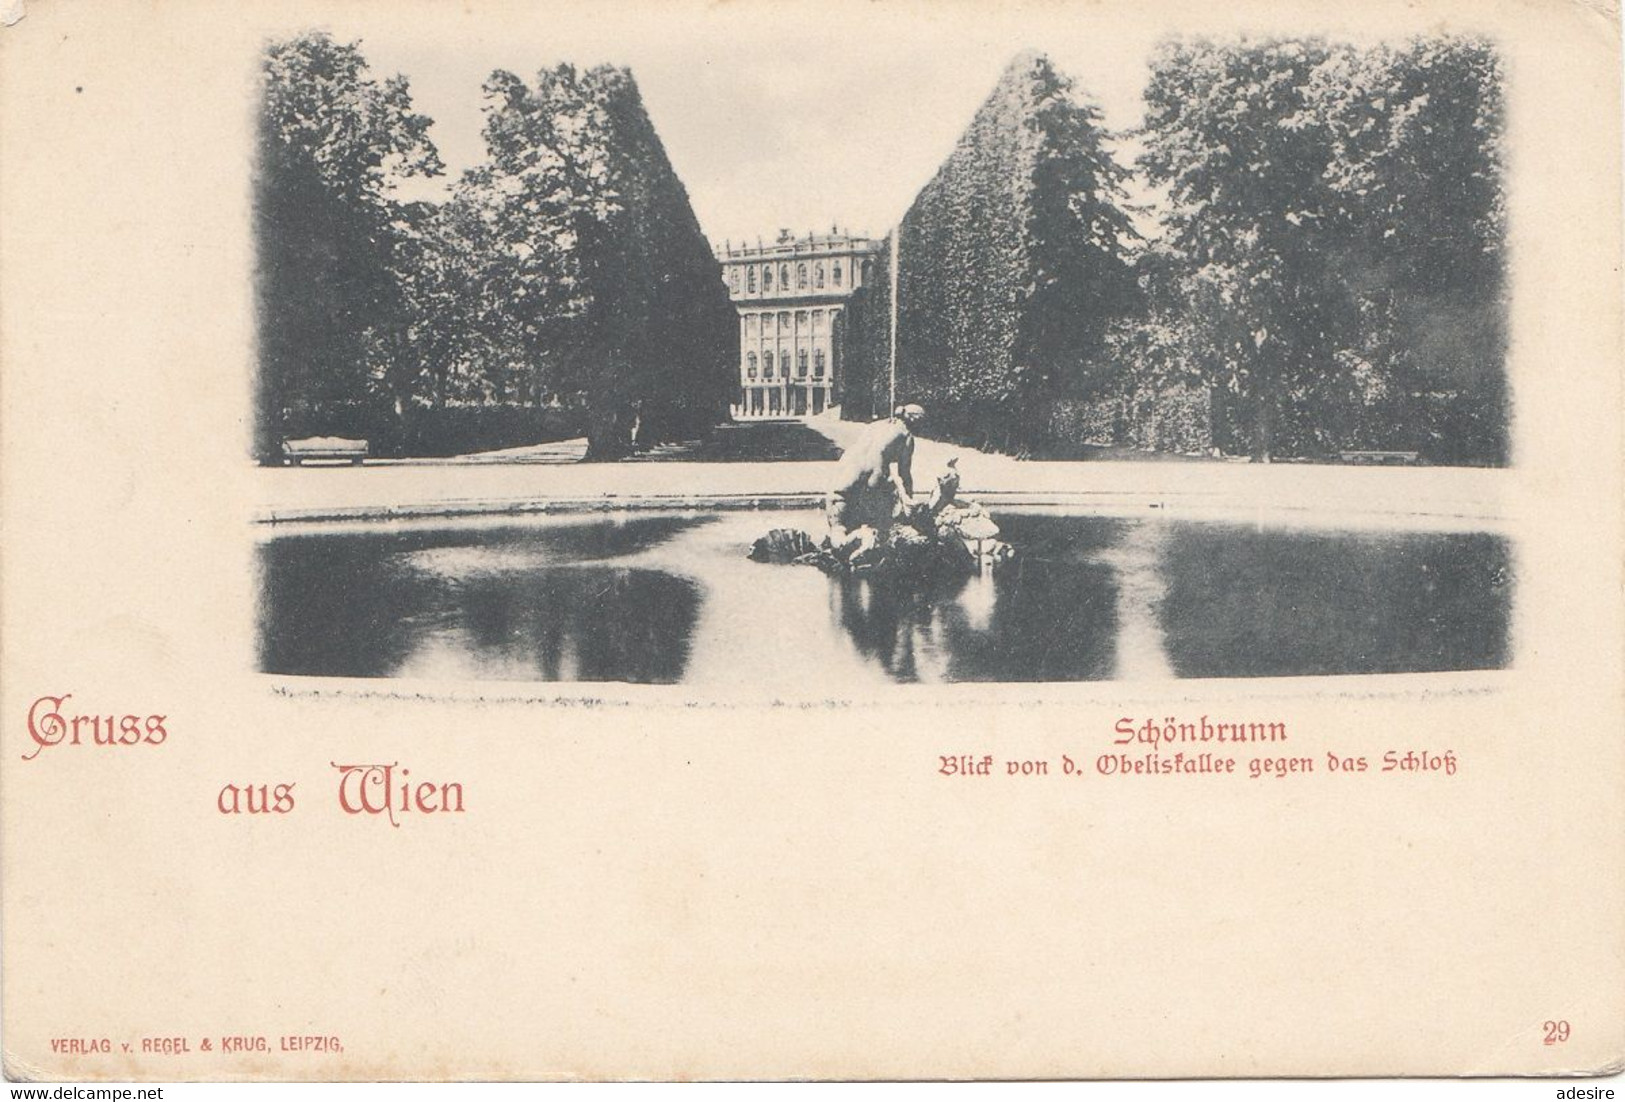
[[727, 472]]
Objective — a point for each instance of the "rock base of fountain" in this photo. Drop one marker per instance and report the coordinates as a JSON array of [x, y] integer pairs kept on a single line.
[[954, 536]]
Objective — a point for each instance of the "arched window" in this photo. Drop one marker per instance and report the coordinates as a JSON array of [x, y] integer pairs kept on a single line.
[[733, 279], [784, 276], [784, 319], [750, 280], [835, 272], [750, 366], [868, 270], [767, 324], [801, 364], [818, 363], [767, 278], [818, 276], [801, 277], [767, 365]]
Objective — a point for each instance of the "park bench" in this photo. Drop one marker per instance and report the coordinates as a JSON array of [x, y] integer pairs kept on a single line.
[[323, 448], [1378, 457]]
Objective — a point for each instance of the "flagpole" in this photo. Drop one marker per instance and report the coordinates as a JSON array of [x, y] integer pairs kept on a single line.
[[891, 403]]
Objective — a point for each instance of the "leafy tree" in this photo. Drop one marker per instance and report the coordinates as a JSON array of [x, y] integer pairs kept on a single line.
[[1079, 237], [1232, 139], [1417, 175], [606, 284], [1335, 216], [331, 141]]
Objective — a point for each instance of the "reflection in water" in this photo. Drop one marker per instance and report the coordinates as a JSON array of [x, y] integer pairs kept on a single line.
[[672, 598], [507, 603], [594, 623], [1259, 602], [978, 599], [1051, 615], [1137, 560]]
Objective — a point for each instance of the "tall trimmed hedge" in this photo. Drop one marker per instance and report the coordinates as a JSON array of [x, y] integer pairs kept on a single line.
[[567, 268], [1010, 263], [603, 276], [676, 330]]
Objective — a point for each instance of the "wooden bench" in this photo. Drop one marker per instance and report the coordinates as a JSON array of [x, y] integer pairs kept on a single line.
[[1378, 457], [324, 448]]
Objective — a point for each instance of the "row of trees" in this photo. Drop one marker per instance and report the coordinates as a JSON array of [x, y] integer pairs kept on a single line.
[[566, 274], [1332, 258], [1323, 250]]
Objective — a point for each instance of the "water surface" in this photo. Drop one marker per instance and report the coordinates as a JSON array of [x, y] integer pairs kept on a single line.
[[540, 602], [671, 598]]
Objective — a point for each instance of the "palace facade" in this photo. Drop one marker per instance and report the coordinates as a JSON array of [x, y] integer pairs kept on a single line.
[[791, 296]]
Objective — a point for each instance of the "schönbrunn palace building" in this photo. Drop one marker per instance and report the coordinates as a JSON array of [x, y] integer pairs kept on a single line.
[[791, 296]]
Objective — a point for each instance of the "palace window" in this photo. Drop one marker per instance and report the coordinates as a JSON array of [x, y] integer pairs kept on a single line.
[[767, 278], [801, 276], [750, 366], [784, 318], [818, 321], [750, 325], [835, 272], [801, 319], [750, 280], [818, 363], [784, 276], [818, 276], [733, 280], [801, 363], [767, 365]]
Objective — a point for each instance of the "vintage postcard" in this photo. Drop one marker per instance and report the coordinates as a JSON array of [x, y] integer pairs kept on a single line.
[[811, 541]]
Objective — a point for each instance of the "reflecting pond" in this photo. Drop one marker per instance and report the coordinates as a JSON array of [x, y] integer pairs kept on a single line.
[[666, 598]]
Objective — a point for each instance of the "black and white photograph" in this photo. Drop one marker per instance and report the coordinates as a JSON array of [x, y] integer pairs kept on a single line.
[[724, 366]]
